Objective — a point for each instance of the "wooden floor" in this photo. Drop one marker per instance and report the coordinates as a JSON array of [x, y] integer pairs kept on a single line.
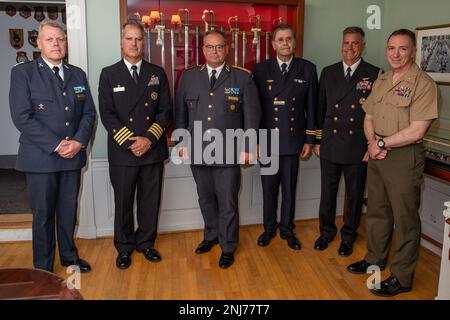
[[273, 272]]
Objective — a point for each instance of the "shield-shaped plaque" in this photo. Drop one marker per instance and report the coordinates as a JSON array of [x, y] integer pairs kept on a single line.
[[16, 38], [63, 15], [25, 12], [21, 57], [10, 11], [52, 12], [39, 13], [36, 55], [32, 37]]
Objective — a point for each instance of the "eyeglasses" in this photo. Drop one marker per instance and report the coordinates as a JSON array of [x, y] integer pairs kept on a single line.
[[218, 47]]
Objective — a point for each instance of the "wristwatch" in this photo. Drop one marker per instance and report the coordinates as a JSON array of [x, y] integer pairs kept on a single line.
[[381, 144]]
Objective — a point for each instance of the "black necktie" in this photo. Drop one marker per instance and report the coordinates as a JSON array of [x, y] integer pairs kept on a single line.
[[135, 74], [283, 69], [213, 79], [348, 76], [56, 71]]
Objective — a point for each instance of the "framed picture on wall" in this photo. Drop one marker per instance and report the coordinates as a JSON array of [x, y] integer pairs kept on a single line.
[[433, 52]]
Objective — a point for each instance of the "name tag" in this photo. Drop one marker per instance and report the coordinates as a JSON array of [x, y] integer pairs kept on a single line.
[[279, 103], [299, 81], [232, 98], [119, 89]]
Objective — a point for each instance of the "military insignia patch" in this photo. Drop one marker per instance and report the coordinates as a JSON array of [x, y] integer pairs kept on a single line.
[[154, 95], [403, 91], [21, 57], [39, 13], [16, 38], [52, 13], [232, 90], [269, 84], [154, 80], [232, 98], [10, 11], [79, 89], [232, 107], [41, 106], [364, 85], [32, 37], [25, 12]]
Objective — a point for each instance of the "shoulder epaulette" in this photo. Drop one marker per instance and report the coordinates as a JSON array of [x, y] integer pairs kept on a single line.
[[240, 68], [192, 67], [21, 62]]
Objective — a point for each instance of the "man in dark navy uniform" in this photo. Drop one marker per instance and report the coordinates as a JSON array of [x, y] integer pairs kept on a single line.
[[341, 143], [219, 97], [52, 107], [135, 108], [288, 91]]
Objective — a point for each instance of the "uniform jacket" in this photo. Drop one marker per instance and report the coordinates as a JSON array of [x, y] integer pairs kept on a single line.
[[231, 104], [46, 112], [340, 117], [128, 109], [288, 105]]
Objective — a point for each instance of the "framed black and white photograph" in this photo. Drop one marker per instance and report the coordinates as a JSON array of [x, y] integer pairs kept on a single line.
[[433, 52]]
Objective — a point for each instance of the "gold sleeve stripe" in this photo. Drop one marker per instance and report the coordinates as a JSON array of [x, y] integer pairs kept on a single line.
[[155, 133], [120, 132], [312, 132], [158, 127], [125, 138], [126, 133]]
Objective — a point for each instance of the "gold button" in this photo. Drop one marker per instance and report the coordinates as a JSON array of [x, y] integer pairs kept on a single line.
[[335, 118], [275, 99], [276, 119], [353, 106], [67, 124], [148, 118], [337, 106], [276, 128], [275, 109], [292, 129], [293, 109], [209, 119], [211, 94], [233, 107], [334, 131], [114, 130], [351, 119], [351, 132], [64, 94], [292, 119], [67, 138], [210, 106], [66, 108], [293, 99], [131, 120], [146, 104]]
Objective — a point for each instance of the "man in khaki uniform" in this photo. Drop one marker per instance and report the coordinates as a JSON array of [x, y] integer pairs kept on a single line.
[[403, 103]]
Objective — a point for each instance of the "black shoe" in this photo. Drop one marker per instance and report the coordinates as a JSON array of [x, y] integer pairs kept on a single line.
[[264, 238], [226, 260], [80, 263], [345, 249], [321, 243], [390, 287], [151, 254], [361, 267], [292, 241], [123, 260], [206, 246]]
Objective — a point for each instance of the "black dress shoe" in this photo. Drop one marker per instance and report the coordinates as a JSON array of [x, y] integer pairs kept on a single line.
[[321, 243], [123, 260], [390, 287], [361, 267], [80, 263], [206, 246], [345, 249], [292, 241], [151, 254], [264, 238], [226, 260]]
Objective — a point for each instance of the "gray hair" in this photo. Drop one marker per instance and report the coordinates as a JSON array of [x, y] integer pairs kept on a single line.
[[133, 24], [49, 23]]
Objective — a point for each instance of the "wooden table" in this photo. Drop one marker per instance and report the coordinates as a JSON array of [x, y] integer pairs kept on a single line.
[[27, 284]]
